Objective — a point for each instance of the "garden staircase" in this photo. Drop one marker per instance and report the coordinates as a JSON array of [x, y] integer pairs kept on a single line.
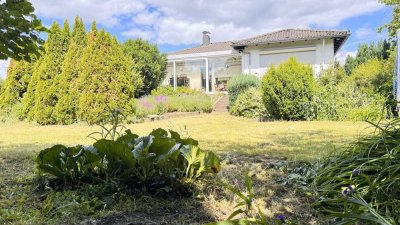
[[221, 105]]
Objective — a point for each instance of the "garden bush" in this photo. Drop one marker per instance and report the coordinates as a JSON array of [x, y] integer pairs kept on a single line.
[[179, 103], [344, 100], [288, 91], [362, 183], [169, 91], [239, 84], [249, 104]]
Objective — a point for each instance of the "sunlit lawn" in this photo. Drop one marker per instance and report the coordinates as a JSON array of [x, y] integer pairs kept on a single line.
[[241, 142], [217, 132]]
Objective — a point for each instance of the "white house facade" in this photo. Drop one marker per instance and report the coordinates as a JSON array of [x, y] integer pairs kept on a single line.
[[255, 55]]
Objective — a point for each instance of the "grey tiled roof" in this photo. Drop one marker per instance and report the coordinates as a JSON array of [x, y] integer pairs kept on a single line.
[[212, 47], [291, 35], [286, 35]]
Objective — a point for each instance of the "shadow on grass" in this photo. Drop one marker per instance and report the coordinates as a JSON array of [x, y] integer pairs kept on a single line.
[[21, 201]]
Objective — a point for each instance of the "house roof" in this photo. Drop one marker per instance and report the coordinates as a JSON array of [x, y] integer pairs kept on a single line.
[[287, 35], [212, 47]]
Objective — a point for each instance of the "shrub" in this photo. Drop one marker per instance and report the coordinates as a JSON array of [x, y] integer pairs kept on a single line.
[[288, 91], [374, 75], [173, 103], [346, 101], [362, 183], [239, 84], [169, 91], [249, 104], [189, 103]]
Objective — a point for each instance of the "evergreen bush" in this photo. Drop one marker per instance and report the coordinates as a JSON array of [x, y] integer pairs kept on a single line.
[[239, 84], [288, 91], [249, 104]]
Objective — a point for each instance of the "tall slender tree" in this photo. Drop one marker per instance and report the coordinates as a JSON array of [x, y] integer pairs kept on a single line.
[[45, 97], [105, 78], [65, 84], [28, 100], [16, 83]]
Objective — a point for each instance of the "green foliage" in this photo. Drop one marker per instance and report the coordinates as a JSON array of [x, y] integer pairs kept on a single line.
[[249, 104], [1, 84], [175, 103], [239, 84], [16, 83], [332, 75], [127, 159], [362, 183], [246, 207], [394, 24], [346, 101], [169, 91], [374, 75], [105, 78], [366, 52], [50, 66], [288, 91], [364, 95], [148, 62], [65, 84], [19, 37]]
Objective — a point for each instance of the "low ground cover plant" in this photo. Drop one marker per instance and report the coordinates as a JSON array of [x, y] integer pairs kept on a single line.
[[239, 84], [128, 160], [169, 91], [161, 104], [362, 183]]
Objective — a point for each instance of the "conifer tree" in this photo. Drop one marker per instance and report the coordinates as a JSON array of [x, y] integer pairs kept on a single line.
[[105, 78], [16, 83], [28, 100], [66, 83], [55, 50]]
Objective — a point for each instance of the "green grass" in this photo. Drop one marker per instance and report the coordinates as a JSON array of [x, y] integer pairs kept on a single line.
[[241, 143]]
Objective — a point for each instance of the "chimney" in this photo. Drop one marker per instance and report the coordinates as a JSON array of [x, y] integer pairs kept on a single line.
[[206, 37]]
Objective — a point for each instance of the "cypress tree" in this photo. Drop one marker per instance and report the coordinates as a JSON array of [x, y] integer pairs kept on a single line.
[[45, 96], [105, 78], [66, 83], [28, 100], [16, 83]]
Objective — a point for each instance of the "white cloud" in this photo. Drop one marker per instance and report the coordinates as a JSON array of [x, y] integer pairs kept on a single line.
[[364, 33], [342, 55], [182, 21], [106, 12], [139, 33], [3, 68], [146, 18]]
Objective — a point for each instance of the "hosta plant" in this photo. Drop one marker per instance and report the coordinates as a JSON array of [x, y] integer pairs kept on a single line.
[[128, 159]]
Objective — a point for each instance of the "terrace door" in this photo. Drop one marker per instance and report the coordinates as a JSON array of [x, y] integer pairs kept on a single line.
[[203, 79]]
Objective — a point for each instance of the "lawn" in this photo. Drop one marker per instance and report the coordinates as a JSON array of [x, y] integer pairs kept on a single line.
[[242, 143]]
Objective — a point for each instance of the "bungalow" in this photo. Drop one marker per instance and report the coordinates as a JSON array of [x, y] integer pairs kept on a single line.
[[209, 66]]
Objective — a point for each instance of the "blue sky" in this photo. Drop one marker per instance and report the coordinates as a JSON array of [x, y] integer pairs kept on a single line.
[[177, 24]]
